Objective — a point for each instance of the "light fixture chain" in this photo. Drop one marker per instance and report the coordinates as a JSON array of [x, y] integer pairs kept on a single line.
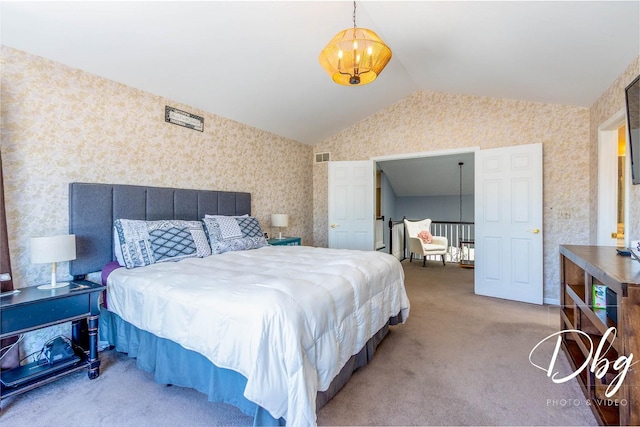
[[354, 15], [460, 165]]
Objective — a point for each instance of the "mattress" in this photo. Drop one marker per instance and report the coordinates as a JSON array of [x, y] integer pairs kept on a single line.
[[286, 318]]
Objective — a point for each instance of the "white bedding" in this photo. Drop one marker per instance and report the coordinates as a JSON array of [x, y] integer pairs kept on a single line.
[[287, 318]]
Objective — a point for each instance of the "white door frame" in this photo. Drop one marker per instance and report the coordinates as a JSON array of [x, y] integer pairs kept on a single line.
[[607, 180], [420, 154]]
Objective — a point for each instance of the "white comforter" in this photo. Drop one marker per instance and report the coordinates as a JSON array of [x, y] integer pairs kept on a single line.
[[287, 318]]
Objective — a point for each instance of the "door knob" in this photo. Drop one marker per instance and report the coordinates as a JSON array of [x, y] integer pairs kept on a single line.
[[534, 231], [335, 225]]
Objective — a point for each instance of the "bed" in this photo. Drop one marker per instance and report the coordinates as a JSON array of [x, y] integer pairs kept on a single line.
[[273, 330]]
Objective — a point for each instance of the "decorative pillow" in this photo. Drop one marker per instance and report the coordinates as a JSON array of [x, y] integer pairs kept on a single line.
[[250, 227], [132, 244], [173, 240], [229, 228], [222, 240], [139, 243], [425, 236]]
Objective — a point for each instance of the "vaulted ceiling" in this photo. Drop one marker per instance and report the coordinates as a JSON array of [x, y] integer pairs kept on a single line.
[[257, 62]]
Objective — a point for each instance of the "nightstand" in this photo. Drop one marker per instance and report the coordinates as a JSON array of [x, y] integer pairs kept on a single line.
[[285, 241], [32, 308]]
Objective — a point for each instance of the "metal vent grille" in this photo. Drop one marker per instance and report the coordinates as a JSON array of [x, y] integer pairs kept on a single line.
[[322, 157]]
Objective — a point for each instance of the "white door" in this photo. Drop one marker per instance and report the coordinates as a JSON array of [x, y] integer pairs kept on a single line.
[[351, 205], [508, 223]]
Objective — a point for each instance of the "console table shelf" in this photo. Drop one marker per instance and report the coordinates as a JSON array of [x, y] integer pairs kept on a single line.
[[582, 268], [31, 308]]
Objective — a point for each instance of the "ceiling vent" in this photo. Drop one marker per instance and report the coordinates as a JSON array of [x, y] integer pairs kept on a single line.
[[322, 157]]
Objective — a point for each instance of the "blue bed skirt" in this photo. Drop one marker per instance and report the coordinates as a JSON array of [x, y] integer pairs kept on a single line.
[[173, 364]]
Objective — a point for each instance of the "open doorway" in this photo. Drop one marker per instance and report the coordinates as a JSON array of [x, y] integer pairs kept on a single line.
[[436, 185], [507, 218], [613, 182]]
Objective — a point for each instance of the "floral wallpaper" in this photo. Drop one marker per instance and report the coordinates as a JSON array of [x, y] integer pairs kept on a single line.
[[428, 121], [609, 103], [61, 125]]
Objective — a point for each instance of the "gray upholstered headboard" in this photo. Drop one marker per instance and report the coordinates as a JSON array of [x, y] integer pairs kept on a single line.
[[94, 207]]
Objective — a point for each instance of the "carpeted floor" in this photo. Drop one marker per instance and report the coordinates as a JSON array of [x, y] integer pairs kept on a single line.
[[461, 359]]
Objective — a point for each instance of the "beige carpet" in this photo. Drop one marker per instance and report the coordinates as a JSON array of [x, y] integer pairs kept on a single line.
[[461, 359]]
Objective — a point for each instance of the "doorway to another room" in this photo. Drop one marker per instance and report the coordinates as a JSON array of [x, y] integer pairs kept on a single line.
[[506, 205], [438, 186], [507, 212], [613, 182]]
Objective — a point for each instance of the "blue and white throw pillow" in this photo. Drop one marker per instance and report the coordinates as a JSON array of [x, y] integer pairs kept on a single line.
[[229, 228], [132, 244], [173, 240], [221, 240], [139, 243], [250, 227]]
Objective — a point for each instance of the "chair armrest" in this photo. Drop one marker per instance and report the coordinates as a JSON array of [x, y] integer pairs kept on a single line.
[[415, 245], [440, 240]]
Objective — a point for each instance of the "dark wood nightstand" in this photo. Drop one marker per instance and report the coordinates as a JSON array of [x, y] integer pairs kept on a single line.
[[32, 308], [285, 241]]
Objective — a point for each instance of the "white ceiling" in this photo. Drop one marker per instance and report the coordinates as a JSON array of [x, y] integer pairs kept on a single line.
[[430, 176], [257, 62]]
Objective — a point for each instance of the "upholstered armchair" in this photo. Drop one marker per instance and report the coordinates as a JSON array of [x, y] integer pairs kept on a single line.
[[422, 242]]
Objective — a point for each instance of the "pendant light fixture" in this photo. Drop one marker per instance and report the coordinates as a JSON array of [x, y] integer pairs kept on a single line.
[[355, 56]]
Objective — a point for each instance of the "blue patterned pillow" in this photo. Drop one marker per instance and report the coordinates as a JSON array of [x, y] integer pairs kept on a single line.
[[222, 240], [141, 243], [174, 240], [250, 227], [131, 243]]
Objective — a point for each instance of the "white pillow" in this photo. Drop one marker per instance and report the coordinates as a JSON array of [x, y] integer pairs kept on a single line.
[[251, 236]]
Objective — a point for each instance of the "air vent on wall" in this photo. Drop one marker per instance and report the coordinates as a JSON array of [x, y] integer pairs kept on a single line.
[[322, 157]]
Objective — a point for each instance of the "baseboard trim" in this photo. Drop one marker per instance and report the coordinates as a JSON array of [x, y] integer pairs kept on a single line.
[[551, 301]]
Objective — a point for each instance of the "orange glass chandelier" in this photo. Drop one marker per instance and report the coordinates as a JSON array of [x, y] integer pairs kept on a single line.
[[355, 56]]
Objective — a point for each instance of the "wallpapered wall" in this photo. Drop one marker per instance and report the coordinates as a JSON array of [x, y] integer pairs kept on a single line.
[[610, 103], [61, 125], [428, 121]]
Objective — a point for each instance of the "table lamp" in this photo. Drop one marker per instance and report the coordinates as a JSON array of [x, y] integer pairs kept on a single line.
[[279, 220], [53, 249]]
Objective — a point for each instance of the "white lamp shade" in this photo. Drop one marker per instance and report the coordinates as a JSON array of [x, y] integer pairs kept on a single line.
[[53, 249], [279, 220]]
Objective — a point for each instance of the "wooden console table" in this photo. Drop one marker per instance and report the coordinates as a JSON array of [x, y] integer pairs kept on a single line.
[[582, 267]]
